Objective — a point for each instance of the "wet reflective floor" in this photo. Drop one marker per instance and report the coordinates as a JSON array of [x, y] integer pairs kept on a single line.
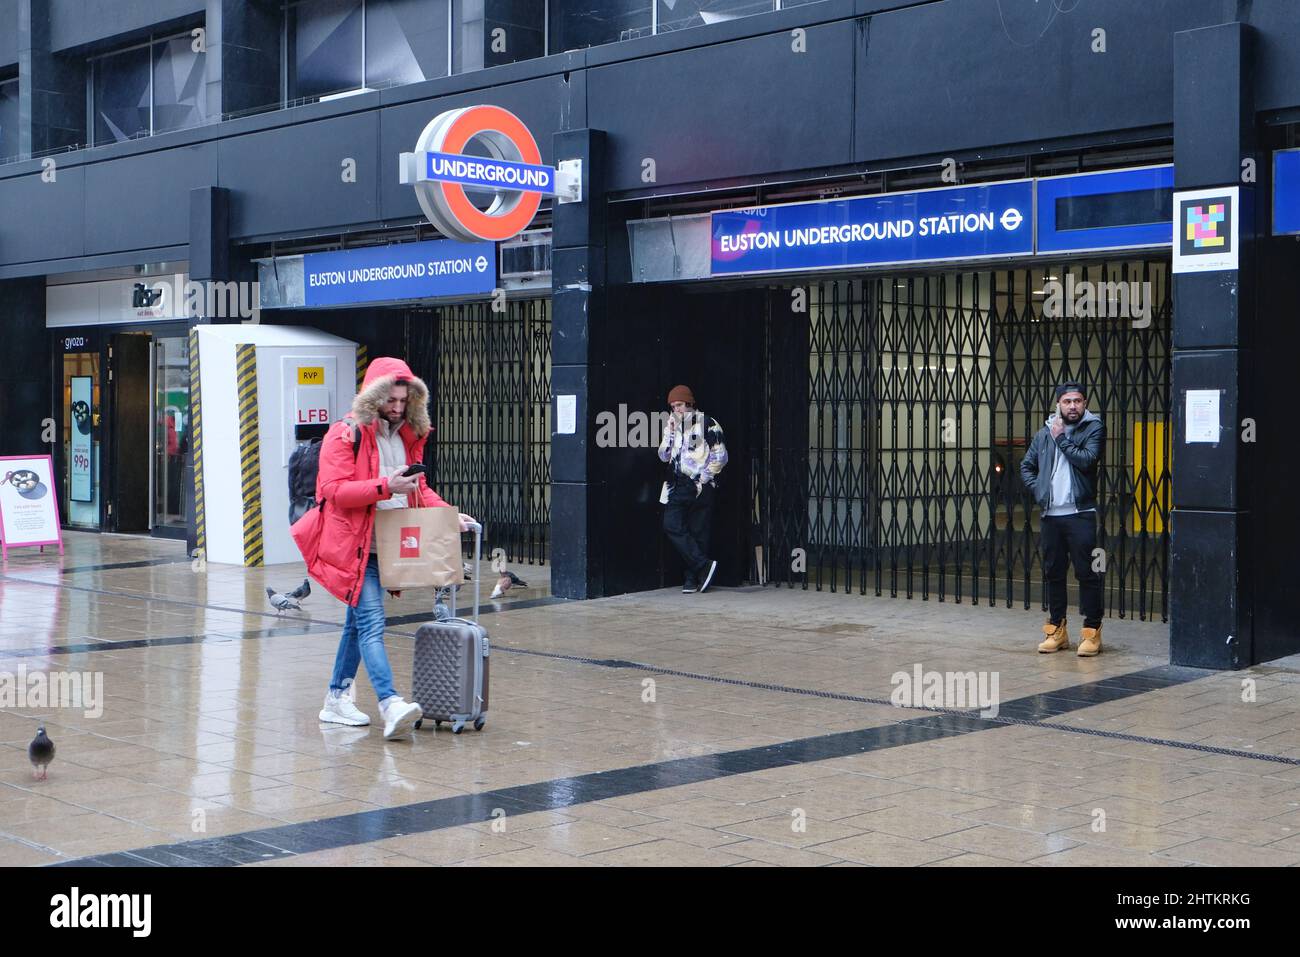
[[740, 727]]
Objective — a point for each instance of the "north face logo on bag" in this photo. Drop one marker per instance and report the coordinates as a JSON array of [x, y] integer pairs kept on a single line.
[[410, 542]]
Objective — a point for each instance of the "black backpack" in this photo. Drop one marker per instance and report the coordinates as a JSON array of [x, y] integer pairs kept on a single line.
[[304, 466]]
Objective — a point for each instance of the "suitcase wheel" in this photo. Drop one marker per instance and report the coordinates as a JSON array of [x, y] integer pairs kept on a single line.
[[437, 723], [457, 727], [418, 724], [478, 723]]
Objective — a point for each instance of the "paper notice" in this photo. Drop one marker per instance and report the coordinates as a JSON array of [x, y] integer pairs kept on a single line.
[[566, 414], [1202, 415]]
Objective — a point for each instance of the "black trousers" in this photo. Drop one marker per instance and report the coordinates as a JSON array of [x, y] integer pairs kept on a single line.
[[1066, 540], [688, 522]]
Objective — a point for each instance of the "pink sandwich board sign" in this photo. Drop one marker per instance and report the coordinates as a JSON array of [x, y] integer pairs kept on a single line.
[[29, 509]]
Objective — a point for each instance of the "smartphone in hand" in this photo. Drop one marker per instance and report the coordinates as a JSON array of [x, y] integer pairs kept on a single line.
[[417, 469]]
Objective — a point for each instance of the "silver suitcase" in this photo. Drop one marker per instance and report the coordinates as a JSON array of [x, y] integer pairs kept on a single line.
[[450, 675]]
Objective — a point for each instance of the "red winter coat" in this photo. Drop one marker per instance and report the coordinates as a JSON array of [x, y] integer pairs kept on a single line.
[[335, 537]]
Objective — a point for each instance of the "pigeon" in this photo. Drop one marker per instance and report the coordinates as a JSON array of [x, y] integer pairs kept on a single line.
[[507, 581], [41, 753], [302, 591], [282, 602]]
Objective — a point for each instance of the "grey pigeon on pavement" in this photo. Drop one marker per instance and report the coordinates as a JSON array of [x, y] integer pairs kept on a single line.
[[282, 602], [507, 581], [302, 591], [41, 753]]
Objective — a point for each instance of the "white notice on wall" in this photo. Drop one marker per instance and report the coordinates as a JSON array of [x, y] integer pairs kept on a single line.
[[1202, 415], [566, 414]]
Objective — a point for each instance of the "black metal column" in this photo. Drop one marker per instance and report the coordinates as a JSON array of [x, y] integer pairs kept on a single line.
[[243, 59], [1211, 622], [578, 313], [51, 87], [209, 262]]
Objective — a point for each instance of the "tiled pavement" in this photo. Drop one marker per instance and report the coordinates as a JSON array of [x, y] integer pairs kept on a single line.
[[745, 728]]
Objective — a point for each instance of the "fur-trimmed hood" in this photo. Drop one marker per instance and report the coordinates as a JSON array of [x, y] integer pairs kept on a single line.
[[381, 375]]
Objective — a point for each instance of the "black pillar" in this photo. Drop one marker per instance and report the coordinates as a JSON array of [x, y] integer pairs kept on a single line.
[[25, 389], [1211, 624], [243, 59], [577, 317], [209, 262], [51, 88]]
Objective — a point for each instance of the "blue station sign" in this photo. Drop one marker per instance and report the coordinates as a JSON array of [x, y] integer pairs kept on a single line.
[[1286, 192], [486, 173], [933, 225], [426, 270]]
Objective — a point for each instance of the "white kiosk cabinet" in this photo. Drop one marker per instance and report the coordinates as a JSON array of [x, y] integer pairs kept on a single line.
[[306, 379]]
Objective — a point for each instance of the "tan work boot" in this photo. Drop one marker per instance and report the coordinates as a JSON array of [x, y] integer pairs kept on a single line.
[[1091, 644], [1057, 638]]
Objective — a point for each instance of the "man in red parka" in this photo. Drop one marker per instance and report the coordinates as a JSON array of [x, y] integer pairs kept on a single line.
[[391, 414]]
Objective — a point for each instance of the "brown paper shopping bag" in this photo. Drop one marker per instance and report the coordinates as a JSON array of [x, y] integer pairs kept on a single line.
[[418, 547]]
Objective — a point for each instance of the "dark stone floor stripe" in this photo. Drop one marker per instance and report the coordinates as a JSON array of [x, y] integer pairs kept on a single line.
[[368, 826], [310, 626], [113, 566], [1045, 705], [1033, 710], [216, 637]]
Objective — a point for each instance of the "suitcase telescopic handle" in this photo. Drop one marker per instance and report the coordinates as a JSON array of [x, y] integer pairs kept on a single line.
[[478, 564], [478, 569]]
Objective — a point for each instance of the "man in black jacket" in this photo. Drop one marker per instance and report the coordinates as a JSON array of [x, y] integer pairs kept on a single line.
[[1060, 469]]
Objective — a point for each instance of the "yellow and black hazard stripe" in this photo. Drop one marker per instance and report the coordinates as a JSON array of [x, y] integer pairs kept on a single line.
[[250, 455], [363, 360], [196, 443]]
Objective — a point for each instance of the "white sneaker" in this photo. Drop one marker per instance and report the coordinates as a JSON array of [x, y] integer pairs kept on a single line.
[[399, 716], [339, 708]]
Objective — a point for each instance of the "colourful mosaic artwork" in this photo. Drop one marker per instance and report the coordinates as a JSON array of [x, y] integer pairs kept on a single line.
[[1203, 225]]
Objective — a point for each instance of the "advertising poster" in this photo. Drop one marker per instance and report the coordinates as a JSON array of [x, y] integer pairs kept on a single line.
[[79, 450], [29, 509]]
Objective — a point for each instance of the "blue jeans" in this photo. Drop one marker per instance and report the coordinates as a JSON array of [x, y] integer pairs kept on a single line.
[[363, 638]]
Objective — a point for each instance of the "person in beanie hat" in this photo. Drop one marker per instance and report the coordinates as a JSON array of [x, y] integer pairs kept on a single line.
[[1060, 469], [693, 449]]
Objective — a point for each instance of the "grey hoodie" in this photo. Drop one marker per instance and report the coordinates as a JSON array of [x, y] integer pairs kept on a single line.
[[1062, 480], [1062, 473]]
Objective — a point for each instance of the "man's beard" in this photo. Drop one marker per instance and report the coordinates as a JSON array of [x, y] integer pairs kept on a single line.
[[1071, 417], [393, 418]]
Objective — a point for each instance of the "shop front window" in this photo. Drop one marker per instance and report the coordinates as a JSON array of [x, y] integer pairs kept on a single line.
[[680, 14], [589, 23], [8, 118], [152, 88], [406, 41], [171, 377], [325, 48], [179, 98], [490, 34], [80, 487]]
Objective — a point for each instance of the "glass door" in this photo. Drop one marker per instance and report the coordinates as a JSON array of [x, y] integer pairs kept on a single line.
[[171, 405], [81, 439]]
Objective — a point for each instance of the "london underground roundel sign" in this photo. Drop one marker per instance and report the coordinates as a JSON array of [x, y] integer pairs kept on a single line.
[[440, 170]]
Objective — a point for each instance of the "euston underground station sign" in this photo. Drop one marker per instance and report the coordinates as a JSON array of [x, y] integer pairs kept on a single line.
[[960, 222], [426, 270]]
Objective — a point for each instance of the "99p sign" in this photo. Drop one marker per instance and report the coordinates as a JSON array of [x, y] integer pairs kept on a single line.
[[81, 419]]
